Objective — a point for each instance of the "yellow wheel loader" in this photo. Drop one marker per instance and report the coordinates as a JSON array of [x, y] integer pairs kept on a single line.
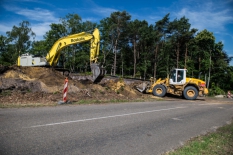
[[177, 84], [54, 54]]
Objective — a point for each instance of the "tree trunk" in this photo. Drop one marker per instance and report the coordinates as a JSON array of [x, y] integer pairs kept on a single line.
[[115, 58], [135, 58], [199, 61], [122, 65], [145, 69], [177, 56], [155, 63], [185, 57], [155, 68], [209, 72], [104, 54]]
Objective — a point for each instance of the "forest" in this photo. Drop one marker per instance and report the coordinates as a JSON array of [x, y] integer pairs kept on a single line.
[[130, 48]]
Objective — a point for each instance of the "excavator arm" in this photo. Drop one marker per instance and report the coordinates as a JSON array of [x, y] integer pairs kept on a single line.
[[54, 53]]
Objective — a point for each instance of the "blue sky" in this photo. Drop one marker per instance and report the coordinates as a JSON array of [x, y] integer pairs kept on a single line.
[[214, 15]]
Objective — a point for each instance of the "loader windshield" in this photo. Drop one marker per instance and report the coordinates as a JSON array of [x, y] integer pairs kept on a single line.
[[177, 76]]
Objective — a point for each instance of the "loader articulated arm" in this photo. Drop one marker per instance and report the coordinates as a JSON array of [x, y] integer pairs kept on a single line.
[[54, 54]]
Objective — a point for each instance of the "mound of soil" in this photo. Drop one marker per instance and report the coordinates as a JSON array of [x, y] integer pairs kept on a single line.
[[28, 85]]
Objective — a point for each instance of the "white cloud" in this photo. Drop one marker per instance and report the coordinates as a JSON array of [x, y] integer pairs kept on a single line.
[[4, 28], [99, 10], [206, 19], [37, 14], [211, 15], [40, 29], [40, 19], [104, 11]]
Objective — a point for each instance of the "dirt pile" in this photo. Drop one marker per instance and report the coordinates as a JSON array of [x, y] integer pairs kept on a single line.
[[33, 79], [22, 85]]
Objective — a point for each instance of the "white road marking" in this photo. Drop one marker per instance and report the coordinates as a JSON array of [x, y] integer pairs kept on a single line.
[[98, 118], [177, 119]]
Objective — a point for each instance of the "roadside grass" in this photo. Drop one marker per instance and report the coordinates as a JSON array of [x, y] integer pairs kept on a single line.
[[25, 105], [219, 142], [80, 102]]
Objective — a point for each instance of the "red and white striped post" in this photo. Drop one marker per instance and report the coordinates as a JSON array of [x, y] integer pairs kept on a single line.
[[65, 90], [229, 94]]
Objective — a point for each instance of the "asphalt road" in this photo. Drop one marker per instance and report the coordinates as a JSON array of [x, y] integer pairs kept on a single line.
[[148, 128]]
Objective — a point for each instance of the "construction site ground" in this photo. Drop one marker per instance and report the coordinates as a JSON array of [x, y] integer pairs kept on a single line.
[[40, 86]]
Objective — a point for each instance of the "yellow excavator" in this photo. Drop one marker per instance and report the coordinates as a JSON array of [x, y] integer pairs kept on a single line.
[[177, 84], [54, 54]]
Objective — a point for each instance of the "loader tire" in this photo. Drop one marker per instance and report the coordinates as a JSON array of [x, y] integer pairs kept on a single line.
[[190, 93], [159, 90]]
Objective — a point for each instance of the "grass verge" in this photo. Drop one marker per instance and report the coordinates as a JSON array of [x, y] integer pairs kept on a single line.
[[25, 105], [219, 142], [80, 102]]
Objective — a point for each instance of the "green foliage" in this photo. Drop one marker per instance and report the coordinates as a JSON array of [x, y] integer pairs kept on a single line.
[[20, 37], [17, 41], [39, 48], [215, 90], [138, 74], [7, 54]]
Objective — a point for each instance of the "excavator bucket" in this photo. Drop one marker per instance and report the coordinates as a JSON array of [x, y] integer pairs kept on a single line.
[[97, 72]]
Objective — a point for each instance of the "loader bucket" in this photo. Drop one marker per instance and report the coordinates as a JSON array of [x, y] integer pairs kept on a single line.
[[142, 87], [97, 72]]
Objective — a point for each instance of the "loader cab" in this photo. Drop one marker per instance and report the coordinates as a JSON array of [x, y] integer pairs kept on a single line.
[[177, 76]]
